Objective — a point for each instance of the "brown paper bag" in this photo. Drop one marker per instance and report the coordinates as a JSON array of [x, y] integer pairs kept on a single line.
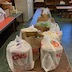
[[43, 18], [41, 28], [34, 39]]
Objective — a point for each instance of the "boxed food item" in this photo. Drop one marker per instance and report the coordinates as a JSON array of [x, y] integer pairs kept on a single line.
[[2, 14]]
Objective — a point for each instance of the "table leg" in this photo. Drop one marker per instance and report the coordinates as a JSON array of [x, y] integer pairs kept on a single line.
[[14, 27], [22, 18]]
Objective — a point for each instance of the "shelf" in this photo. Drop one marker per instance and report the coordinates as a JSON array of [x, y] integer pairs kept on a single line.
[[36, 7], [49, 3], [62, 5]]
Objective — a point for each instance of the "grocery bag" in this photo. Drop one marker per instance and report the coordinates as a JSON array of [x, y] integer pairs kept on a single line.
[[51, 20], [34, 39], [54, 27], [19, 55], [52, 35], [51, 52], [46, 11], [59, 33], [45, 15], [43, 18], [42, 26]]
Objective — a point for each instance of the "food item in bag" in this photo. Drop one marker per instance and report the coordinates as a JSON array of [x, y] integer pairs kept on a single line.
[[43, 26], [43, 18]]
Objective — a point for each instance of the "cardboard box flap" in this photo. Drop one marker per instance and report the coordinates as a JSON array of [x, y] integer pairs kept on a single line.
[[2, 11]]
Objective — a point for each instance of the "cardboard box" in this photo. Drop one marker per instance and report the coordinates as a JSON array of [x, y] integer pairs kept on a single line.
[[7, 13], [2, 14], [1, 1], [7, 5]]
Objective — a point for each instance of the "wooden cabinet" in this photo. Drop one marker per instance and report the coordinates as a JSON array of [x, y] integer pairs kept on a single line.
[[39, 4], [51, 4]]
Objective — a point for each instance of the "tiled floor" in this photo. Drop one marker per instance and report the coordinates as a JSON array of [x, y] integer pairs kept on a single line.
[[65, 26]]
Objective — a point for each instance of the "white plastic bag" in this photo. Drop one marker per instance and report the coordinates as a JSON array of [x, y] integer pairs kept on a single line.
[[51, 52], [54, 27], [47, 11], [52, 35], [19, 55], [59, 33], [62, 2], [29, 29]]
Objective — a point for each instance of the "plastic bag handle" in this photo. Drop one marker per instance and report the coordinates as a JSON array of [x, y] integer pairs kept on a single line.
[[46, 70], [10, 61]]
